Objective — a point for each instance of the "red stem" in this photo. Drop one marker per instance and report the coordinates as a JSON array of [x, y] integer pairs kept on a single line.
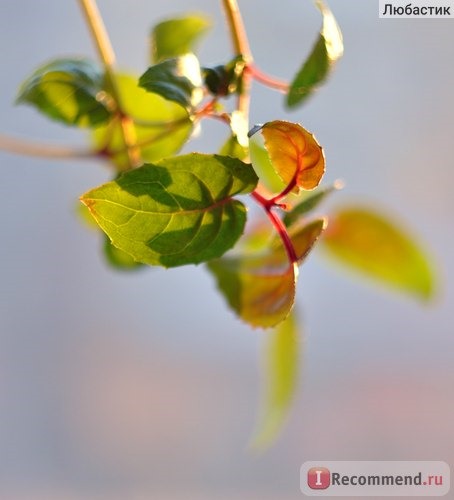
[[268, 206], [268, 80]]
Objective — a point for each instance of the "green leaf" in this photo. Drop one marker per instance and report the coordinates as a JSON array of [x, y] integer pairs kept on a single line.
[[69, 91], [118, 259], [225, 80], [261, 288], [310, 202], [175, 37], [280, 373], [327, 50], [161, 127], [262, 164], [176, 212], [178, 80], [368, 242], [234, 149]]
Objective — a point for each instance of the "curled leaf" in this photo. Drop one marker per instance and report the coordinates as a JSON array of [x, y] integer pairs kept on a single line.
[[178, 36], [316, 69], [176, 212], [295, 154], [370, 243]]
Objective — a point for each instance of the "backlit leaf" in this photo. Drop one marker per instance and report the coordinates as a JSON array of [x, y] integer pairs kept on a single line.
[[262, 164], [310, 202], [175, 37], [233, 148], [178, 80], [370, 243], [178, 211], [67, 90], [118, 259], [295, 154], [261, 294], [160, 126], [316, 69], [280, 374], [261, 289]]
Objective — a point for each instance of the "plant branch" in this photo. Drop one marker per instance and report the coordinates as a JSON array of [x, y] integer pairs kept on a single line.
[[107, 56], [268, 80], [28, 148], [241, 47]]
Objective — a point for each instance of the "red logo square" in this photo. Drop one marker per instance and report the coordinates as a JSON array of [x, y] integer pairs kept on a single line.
[[318, 478]]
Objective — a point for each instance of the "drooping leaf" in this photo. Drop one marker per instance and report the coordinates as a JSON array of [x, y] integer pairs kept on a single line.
[[294, 153], [374, 245], [261, 288], [178, 211], [161, 127], [261, 294], [69, 91], [316, 69], [280, 374], [118, 259], [178, 80], [310, 202], [175, 37]]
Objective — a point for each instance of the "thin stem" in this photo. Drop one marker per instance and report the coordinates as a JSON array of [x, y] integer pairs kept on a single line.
[[268, 80], [237, 30], [107, 56], [241, 47], [268, 206], [28, 148]]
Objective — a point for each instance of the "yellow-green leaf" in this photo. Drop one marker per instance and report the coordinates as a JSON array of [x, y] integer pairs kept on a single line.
[[175, 37], [369, 242], [295, 154], [316, 69], [175, 212], [280, 374], [161, 127]]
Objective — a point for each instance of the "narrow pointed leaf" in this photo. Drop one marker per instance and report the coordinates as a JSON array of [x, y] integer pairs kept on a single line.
[[370, 243], [310, 202], [161, 127], [175, 37], [261, 289], [316, 69], [295, 154], [176, 212], [69, 91], [178, 80], [280, 374], [233, 148]]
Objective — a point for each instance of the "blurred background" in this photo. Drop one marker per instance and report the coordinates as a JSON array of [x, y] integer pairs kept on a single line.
[[144, 386]]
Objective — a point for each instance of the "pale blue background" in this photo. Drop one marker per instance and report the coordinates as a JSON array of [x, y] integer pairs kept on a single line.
[[145, 386]]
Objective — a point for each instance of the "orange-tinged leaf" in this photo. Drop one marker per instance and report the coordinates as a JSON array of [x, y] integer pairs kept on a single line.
[[295, 154], [261, 289], [256, 289], [370, 243]]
